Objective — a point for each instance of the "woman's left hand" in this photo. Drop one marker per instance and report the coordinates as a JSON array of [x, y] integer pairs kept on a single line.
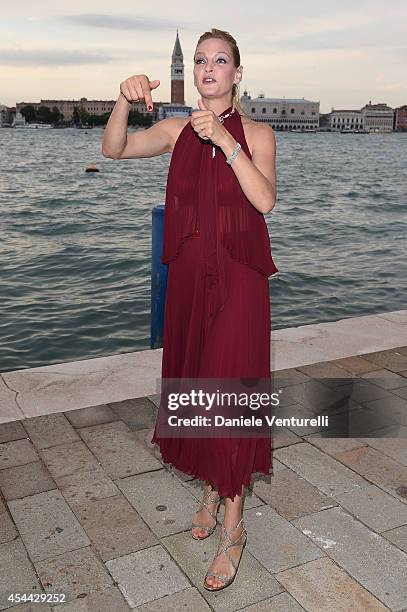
[[207, 125]]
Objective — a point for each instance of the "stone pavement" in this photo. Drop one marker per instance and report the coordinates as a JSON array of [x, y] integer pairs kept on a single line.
[[88, 510]]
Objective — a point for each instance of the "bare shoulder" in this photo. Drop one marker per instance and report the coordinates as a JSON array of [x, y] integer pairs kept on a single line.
[[257, 134]]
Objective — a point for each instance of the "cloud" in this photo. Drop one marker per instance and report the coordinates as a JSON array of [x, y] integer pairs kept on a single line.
[[124, 22], [67, 57], [52, 57]]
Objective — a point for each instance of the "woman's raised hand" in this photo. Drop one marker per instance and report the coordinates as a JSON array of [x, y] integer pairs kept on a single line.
[[137, 88]]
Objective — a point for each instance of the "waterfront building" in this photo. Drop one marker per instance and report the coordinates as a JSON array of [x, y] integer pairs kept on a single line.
[[177, 74], [284, 114], [400, 119], [341, 120], [378, 117]]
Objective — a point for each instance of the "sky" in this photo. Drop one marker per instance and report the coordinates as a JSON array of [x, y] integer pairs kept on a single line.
[[340, 53]]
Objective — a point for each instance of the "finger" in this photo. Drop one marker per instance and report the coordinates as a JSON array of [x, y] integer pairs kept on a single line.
[[154, 84], [126, 91], [145, 84], [201, 104], [134, 91]]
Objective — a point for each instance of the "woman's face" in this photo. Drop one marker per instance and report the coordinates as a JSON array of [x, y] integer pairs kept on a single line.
[[213, 58]]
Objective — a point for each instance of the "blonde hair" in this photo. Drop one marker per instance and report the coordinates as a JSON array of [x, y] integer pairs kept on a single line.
[[215, 33]]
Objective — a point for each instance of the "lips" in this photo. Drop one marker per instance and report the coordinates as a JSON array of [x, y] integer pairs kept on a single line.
[[208, 82]]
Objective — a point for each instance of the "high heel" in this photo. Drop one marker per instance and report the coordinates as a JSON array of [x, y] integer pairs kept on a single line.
[[210, 497], [227, 580]]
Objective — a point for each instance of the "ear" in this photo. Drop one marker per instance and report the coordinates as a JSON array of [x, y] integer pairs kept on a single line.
[[238, 76]]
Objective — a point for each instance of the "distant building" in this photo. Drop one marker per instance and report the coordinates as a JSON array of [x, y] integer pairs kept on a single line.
[[282, 114], [346, 120], [177, 106], [378, 117], [400, 118], [177, 74], [370, 118], [93, 107], [18, 120], [6, 115]]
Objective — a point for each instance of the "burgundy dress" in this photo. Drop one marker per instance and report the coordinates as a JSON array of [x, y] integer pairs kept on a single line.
[[217, 308]]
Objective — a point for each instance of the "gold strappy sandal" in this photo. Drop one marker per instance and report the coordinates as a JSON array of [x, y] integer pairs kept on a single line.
[[210, 497], [227, 580]]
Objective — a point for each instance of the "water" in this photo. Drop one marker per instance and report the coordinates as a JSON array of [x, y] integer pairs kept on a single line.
[[75, 248]]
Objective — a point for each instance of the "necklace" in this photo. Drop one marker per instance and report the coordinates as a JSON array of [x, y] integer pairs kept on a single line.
[[222, 119]]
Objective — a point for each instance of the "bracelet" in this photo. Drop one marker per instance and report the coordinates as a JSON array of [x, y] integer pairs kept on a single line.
[[125, 97], [234, 153]]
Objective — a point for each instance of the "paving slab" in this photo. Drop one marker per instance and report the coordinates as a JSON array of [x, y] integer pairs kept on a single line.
[[16, 572], [25, 480], [118, 449], [334, 445], [291, 495], [325, 371], [284, 437], [88, 417], [391, 359], [86, 485], [397, 536], [75, 573], [7, 528], [9, 408], [195, 557], [161, 500], [321, 470], [139, 413], [190, 599], [147, 575], [356, 365], [283, 602], [33, 607], [18, 452], [13, 430], [382, 567], [275, 542], [114, 527], [315, 395], [402, 392], [287, 377], [68, 458], [366, 391], [394, 409], [321, 585], [47, 525], [374, 507], [50, 430], [87, 382], [378, 469], [107, 600], [385, 379]]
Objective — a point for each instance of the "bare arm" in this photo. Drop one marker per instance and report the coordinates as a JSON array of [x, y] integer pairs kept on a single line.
[[115, 134], [117, 143], [257, 177]]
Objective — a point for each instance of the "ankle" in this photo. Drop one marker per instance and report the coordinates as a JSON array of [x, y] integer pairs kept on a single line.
[[233, 522]]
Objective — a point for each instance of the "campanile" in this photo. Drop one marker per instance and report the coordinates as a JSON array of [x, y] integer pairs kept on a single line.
[[177, 74]]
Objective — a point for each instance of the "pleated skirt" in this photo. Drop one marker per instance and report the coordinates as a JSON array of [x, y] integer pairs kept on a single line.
[[233, 342]]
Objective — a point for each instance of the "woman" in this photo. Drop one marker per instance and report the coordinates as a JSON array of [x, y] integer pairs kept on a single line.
[[221, 182]]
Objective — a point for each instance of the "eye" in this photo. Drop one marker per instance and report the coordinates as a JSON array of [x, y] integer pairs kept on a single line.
[[219, 58]]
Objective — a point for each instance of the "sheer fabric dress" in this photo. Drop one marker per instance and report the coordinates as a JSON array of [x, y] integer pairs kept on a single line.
[[217, 307]]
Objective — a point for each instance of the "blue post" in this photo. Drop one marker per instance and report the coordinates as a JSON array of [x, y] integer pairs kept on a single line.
[[158, 278]]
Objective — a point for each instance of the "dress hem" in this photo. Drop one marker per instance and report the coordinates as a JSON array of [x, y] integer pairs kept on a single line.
[[205, 477]]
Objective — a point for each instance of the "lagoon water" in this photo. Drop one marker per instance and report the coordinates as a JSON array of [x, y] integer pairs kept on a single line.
[[75, 249]]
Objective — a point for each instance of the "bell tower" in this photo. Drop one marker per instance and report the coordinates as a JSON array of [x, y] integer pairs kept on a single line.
[[177, 74]]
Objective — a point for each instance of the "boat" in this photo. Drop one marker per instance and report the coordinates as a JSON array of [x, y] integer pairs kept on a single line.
[[34, 126]]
